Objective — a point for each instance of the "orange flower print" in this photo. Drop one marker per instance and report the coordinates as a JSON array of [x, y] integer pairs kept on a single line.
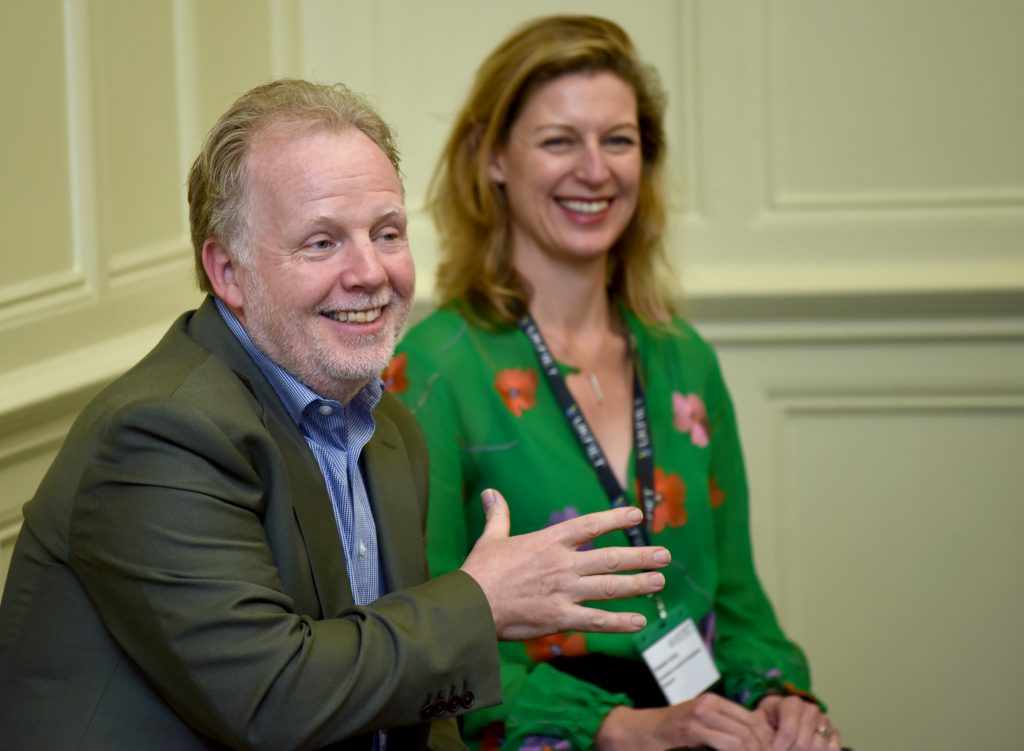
[[805, 695], [670, 491], [556, 645], [691, 416], [518, 389], [715, 493], [394, 376]]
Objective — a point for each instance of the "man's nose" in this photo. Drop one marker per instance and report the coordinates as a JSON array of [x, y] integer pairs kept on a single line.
[[362, 267]]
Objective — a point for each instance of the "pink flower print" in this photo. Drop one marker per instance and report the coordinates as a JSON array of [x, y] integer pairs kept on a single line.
[[690, 416]]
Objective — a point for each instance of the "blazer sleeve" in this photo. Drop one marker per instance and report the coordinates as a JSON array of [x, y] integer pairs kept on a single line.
[[167, 537]]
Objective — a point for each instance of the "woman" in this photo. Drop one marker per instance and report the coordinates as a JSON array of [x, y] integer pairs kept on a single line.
[[550, 202]]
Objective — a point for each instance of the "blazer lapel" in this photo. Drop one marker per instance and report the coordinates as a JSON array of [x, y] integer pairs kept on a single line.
[[395, 511], [310, 501], [315, 518]]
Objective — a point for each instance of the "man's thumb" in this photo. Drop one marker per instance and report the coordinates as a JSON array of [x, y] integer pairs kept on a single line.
[[498, 522]]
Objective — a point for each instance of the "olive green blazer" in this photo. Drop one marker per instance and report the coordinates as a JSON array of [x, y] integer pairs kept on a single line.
[[179, 583]]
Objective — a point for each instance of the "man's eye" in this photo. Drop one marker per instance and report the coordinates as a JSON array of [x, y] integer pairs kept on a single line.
[[320, 245]]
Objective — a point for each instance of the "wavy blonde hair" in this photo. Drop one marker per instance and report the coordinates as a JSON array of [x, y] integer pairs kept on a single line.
[[470, 210], [218, 195]]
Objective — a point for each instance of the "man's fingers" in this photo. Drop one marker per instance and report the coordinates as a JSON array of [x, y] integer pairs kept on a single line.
[[497, 522], [610, 560], [618, 586], [583, 529], [580, 618]]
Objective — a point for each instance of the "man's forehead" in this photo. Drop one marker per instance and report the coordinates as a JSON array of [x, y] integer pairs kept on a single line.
[[286, 149], [279, 135]]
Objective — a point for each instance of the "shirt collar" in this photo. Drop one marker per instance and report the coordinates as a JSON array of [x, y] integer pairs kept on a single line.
[[295, 395]]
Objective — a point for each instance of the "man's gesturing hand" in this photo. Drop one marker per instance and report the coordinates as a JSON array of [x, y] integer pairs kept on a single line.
[[536, 582]]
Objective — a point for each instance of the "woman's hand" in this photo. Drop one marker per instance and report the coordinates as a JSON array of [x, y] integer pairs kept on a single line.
[[708, 720], [799, 725]]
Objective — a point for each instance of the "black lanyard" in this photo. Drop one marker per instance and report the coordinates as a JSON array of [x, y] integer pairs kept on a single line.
[[642, 448]]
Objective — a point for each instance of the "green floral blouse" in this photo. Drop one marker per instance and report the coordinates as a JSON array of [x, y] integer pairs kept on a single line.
[[490, 420]]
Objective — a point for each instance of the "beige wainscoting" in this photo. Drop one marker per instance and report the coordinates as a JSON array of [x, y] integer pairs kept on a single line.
[[848, 222], [110, 100]]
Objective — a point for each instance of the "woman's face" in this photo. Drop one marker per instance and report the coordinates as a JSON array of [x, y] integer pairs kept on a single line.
[[571, 168]]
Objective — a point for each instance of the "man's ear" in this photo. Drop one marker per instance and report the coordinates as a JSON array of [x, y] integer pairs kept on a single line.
[[220, 268]]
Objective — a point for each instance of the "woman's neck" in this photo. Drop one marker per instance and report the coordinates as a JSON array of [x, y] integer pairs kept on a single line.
[[576, 318], [570, 301]]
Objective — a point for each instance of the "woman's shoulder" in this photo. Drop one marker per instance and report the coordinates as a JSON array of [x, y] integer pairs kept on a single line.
[[449, 339], [674, 336], [440, 323]]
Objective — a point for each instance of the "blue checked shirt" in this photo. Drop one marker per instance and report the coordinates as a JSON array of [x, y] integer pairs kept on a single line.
[[336, 434]]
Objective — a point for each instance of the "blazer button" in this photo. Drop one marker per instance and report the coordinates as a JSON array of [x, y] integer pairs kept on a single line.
[[426, 711], [439, 707], [467, 699], [454, 703]]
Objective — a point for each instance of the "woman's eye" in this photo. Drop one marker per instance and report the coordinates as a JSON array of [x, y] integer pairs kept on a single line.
[[622, 142], [556, 142]]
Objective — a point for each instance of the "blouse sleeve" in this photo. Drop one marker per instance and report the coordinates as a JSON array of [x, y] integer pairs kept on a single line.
[[538, 700], [753, 654]]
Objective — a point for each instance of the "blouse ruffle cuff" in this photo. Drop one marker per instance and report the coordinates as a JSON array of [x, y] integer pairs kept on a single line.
[[748, 690], [535, 720]]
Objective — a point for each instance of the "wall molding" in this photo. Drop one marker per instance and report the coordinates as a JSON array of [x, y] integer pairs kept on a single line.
[[63, 375], [880, 314], [43, 293], [688, 134], [831, 398], [963, 200], [150, 262]]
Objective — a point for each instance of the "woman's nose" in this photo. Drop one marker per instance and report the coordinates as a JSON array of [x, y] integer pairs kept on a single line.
[[593, 165]]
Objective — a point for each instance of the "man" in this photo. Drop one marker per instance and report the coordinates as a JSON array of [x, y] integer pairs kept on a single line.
[[227, 551]]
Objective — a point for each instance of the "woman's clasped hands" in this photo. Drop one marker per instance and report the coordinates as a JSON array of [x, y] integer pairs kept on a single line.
[[780, 723]]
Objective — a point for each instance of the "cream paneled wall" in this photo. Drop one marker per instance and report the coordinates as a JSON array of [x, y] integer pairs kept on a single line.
[[108, 101], [848, 222]]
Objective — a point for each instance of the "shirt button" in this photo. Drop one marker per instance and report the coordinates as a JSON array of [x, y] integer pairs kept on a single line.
[[326, 409], [362, 549]]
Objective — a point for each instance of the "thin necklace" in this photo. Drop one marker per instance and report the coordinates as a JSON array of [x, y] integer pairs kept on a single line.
[[595, 384]]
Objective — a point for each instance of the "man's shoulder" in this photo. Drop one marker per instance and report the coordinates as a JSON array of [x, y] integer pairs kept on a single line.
[[182, 370]]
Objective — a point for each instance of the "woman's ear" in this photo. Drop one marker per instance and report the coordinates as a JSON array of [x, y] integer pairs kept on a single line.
[[220, 269], [496, 169]]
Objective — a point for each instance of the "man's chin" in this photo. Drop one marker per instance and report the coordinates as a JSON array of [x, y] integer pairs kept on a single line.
[[362, 366]]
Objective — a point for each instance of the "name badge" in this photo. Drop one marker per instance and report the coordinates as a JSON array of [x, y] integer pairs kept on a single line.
[[677, 657]]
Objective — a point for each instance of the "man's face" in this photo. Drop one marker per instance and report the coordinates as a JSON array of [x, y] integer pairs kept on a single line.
[[331, 279]]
